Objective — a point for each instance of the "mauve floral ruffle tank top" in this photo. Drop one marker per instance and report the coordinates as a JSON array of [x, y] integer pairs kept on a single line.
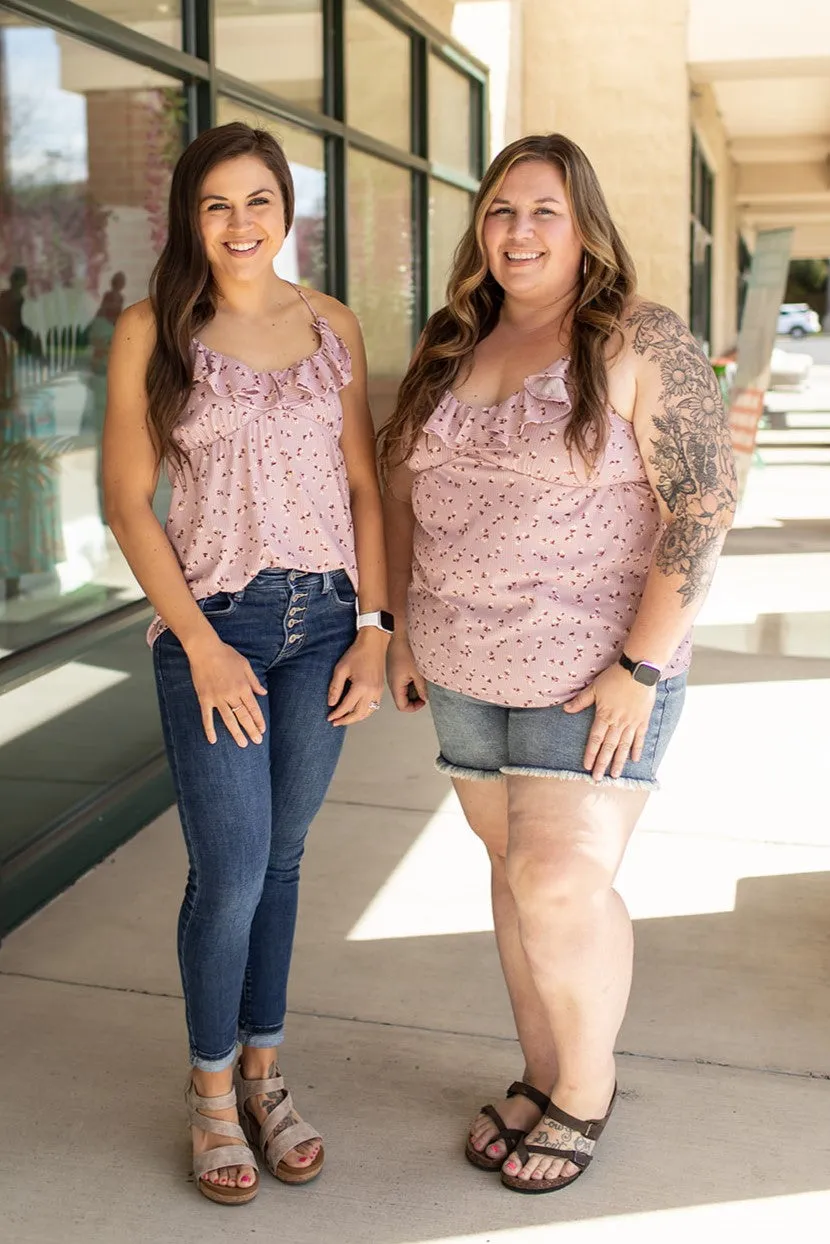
[[267, 484], [528, 569]]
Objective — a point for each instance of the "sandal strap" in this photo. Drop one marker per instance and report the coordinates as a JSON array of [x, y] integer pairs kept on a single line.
[[591, 1129], [223, 1102], [217, 1127], [275, 1137], [225, 1155], [258, 1088], [510, 1135], [282, 1143], [584, 1134], [579, 1157], [520, 1089]]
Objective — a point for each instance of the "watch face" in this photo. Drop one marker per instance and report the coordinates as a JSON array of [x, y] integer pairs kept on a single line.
[[387, 621], [648, 675]]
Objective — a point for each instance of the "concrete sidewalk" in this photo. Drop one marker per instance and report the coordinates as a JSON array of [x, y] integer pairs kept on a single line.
[[399, 1025]]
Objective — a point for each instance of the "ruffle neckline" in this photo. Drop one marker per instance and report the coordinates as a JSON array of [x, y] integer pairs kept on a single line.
[[248, 393], [543, 398], [329, 367]]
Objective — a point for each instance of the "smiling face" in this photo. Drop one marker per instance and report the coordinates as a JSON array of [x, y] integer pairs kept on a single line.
[[533, 249], [241, 218]]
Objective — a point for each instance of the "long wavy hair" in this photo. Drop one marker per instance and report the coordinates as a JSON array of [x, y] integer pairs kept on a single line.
[[183, 292], [474, 300]]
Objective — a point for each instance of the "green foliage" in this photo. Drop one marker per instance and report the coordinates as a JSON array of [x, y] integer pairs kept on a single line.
[[28, 465], [807, 282]]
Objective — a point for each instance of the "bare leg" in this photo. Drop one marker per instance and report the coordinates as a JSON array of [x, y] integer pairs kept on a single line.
[[567, 840], [485, 807]]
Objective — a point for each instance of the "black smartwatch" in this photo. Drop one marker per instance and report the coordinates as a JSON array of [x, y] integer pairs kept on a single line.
[[641, 671], [383, 620]]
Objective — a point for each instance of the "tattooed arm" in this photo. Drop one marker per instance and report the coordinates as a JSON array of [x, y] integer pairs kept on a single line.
[[681, 429]]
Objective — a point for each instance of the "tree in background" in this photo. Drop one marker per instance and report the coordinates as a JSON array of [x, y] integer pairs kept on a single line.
[[807, 282]]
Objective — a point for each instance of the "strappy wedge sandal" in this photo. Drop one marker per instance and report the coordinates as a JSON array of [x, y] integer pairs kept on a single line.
[[225, 1155], [510, 1135], [282, 1130], [581, 1135]]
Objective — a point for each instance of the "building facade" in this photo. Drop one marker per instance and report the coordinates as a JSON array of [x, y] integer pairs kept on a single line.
[[707, 121]]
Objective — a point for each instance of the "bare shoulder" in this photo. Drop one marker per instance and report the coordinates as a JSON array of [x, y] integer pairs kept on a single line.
[[654, 332], [136, 327], [344, 322]]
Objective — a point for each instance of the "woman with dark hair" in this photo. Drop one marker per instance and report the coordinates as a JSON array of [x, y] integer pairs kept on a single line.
[[253, 394], [559, 486]]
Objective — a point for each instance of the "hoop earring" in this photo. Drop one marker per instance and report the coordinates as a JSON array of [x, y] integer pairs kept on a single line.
[[584, 264]]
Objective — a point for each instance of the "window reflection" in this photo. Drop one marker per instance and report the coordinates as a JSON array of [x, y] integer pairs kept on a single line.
[[157, 19], [380, 271], [303, 256], [275, 44], [449, 116], [84, 174], [449, 215], [377, 75]]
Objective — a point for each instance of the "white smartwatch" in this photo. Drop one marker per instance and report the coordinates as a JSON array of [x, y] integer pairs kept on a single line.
[[383, 620]]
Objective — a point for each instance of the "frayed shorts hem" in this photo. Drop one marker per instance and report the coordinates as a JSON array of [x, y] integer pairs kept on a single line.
[[473, 775], [568, 775], [565, 775]]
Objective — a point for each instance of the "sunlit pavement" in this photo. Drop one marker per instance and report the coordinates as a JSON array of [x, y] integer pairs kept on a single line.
[[400, 1028]]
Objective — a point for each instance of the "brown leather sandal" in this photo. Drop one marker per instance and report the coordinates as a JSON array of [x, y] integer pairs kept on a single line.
[[225, 1155], [510, 1135], [580, 1134], [281, 1132]]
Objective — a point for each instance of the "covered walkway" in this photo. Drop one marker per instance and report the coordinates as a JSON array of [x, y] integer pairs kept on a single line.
[[400, 1027]]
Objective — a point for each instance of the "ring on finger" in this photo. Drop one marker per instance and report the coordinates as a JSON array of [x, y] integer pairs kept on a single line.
[[374, 705]]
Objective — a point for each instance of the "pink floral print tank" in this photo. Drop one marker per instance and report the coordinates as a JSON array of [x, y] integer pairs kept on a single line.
[[528, 569], [267, 484]]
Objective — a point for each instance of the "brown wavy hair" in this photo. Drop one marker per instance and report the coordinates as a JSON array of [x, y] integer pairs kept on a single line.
[[183, 293], [474, 300]]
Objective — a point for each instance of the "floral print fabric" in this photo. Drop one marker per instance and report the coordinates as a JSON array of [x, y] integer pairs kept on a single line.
[[267, 485], [528, 568]]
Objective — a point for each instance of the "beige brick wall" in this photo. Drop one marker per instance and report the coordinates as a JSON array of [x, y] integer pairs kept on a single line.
[[713, 141], [613, 78]]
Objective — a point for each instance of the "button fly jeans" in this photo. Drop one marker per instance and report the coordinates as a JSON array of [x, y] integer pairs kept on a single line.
[[245, 812]]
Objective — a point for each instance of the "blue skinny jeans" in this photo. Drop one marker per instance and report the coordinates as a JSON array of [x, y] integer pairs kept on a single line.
[[245, 812]]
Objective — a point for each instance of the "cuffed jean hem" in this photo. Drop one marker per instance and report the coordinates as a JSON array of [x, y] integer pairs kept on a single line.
[[475, 775], [261, 1038], [212, 1064], [568, 775]]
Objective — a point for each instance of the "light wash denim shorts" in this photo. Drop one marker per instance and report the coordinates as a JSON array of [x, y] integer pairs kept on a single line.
[[485, 741]]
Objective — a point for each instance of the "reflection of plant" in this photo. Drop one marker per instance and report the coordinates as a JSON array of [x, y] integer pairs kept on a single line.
[[28, 465], [167, 111], [58, 233]]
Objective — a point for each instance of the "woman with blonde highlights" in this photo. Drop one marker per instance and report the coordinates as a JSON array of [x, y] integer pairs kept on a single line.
[[559, 483]]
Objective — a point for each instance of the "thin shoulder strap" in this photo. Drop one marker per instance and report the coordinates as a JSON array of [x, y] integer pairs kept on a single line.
[[311, 310]]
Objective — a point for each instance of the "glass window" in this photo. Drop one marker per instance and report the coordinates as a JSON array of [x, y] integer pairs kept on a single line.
[[158, 19], [449, 116], [91, 140], [380, 270], [378, 76], [274, 44], [303, 257], [449, 215]]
